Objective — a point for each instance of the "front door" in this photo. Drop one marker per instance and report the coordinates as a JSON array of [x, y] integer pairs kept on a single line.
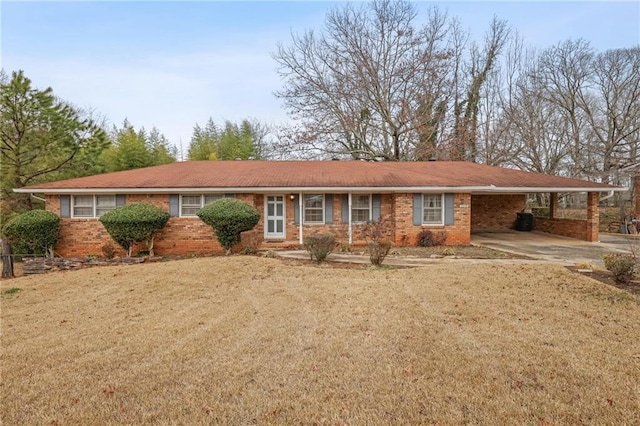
[[274, 213]]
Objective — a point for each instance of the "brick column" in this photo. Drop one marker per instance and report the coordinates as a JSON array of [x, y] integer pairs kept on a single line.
[[593, 216], [553, 204]]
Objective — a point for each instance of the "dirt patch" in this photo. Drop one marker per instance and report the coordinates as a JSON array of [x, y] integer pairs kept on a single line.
[[247, 340]]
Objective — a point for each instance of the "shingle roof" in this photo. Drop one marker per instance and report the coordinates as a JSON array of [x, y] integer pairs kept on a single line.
[[300, 175]]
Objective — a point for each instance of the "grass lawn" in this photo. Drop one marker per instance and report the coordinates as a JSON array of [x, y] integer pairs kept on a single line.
[[246, 340]]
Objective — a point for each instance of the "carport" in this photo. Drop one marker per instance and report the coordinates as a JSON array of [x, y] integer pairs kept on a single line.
[[545, 246]]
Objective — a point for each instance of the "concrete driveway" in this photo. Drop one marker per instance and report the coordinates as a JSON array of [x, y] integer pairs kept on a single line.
[[540, 245]]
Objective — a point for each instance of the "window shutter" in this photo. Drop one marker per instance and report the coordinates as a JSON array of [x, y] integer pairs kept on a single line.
[[448, 209], [296, 210], [65, 205], [328, 208], [376, 206], [345, 208], [174, 205], [417, 209], [120, 200], [229, 195]]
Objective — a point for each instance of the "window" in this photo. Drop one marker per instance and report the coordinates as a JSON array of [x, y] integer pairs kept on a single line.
[[92, 205], [190, 204], [432, 209], [360, 208], [314, 208]]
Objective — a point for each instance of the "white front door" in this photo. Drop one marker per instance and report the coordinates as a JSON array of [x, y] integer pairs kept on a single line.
[[274, 214]]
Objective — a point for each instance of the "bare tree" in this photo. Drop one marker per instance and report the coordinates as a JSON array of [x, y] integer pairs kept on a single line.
[[612, 109], [356, 88]]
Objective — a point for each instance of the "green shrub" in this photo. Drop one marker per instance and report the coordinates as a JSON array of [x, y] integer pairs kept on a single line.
[[33, 233], [378, 250], [319, 246], [621, 265], [134, 223], [229, 218], [427, 238]]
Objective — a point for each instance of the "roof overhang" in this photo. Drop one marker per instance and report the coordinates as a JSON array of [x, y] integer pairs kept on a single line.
[[333, 190]]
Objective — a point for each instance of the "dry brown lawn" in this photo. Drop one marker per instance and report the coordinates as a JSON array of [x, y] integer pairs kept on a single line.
[[245, 340]]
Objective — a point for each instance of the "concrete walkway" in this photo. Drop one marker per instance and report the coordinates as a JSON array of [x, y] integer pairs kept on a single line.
[[538, 246]]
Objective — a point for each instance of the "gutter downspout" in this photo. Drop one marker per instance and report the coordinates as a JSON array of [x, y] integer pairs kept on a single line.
[[300, 218], [609, 195], [38, 198], [350, 227]]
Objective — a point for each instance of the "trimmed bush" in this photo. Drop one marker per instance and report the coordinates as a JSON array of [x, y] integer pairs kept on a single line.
[[319, 246], [229, 218], [427, 238], [33, 233], [134, 223], [621, 265]]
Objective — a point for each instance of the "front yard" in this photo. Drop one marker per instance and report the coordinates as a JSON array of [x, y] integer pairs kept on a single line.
[[246, 340]]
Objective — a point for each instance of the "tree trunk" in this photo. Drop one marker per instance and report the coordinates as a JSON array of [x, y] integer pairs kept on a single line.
[[7, 260]]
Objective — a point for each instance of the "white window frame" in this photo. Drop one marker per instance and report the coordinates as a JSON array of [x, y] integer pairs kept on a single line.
[[94, 206], [202, 202], [304, 209], [353, 197], [424, 208]]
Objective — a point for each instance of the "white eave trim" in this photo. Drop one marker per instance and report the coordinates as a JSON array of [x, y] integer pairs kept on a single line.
[[327, 190]]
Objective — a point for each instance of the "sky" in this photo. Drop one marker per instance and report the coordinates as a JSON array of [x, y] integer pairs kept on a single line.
[[174, 64]]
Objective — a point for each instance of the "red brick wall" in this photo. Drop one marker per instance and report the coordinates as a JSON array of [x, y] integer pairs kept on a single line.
[[587, 230], [182, 235], [495, 212], [407, 233], [574, 228]]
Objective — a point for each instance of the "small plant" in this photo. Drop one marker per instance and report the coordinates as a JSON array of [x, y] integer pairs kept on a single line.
[[344, 248], [33, 233], [374, 232], [229, 218], [427, 238], [319, 246], [448, 252], [12, 290], [378, 251], [271, 254], [621, 265], [109, 251]]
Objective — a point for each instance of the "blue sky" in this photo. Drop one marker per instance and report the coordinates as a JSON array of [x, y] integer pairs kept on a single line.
[[175, 64]]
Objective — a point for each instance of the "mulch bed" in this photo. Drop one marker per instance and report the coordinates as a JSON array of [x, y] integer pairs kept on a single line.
[[606, 277]]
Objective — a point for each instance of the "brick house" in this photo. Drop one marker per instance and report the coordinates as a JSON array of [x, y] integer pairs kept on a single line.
[[297, 198]]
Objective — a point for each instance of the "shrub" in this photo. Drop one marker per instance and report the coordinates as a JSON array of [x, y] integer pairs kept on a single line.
[[378, 250], [229, 218], [34, 232], [108, 251], [427, 238], [319, 245], [374, 231], [621, 265], [134, 223]]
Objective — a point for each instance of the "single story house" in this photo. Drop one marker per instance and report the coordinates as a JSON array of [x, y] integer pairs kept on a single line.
[[297, 198]]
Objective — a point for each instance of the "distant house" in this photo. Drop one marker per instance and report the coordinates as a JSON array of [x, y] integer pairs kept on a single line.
[[297, 198]]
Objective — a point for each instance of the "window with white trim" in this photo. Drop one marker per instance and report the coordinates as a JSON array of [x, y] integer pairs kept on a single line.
[[360, 208], [190, 204], [92, 205], [313, 208], [433, 209]]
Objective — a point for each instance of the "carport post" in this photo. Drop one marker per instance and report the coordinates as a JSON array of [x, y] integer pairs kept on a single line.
[[553, 204], [593, 219]]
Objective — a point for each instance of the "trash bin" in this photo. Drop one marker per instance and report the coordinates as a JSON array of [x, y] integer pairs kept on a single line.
[[524, 221]]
